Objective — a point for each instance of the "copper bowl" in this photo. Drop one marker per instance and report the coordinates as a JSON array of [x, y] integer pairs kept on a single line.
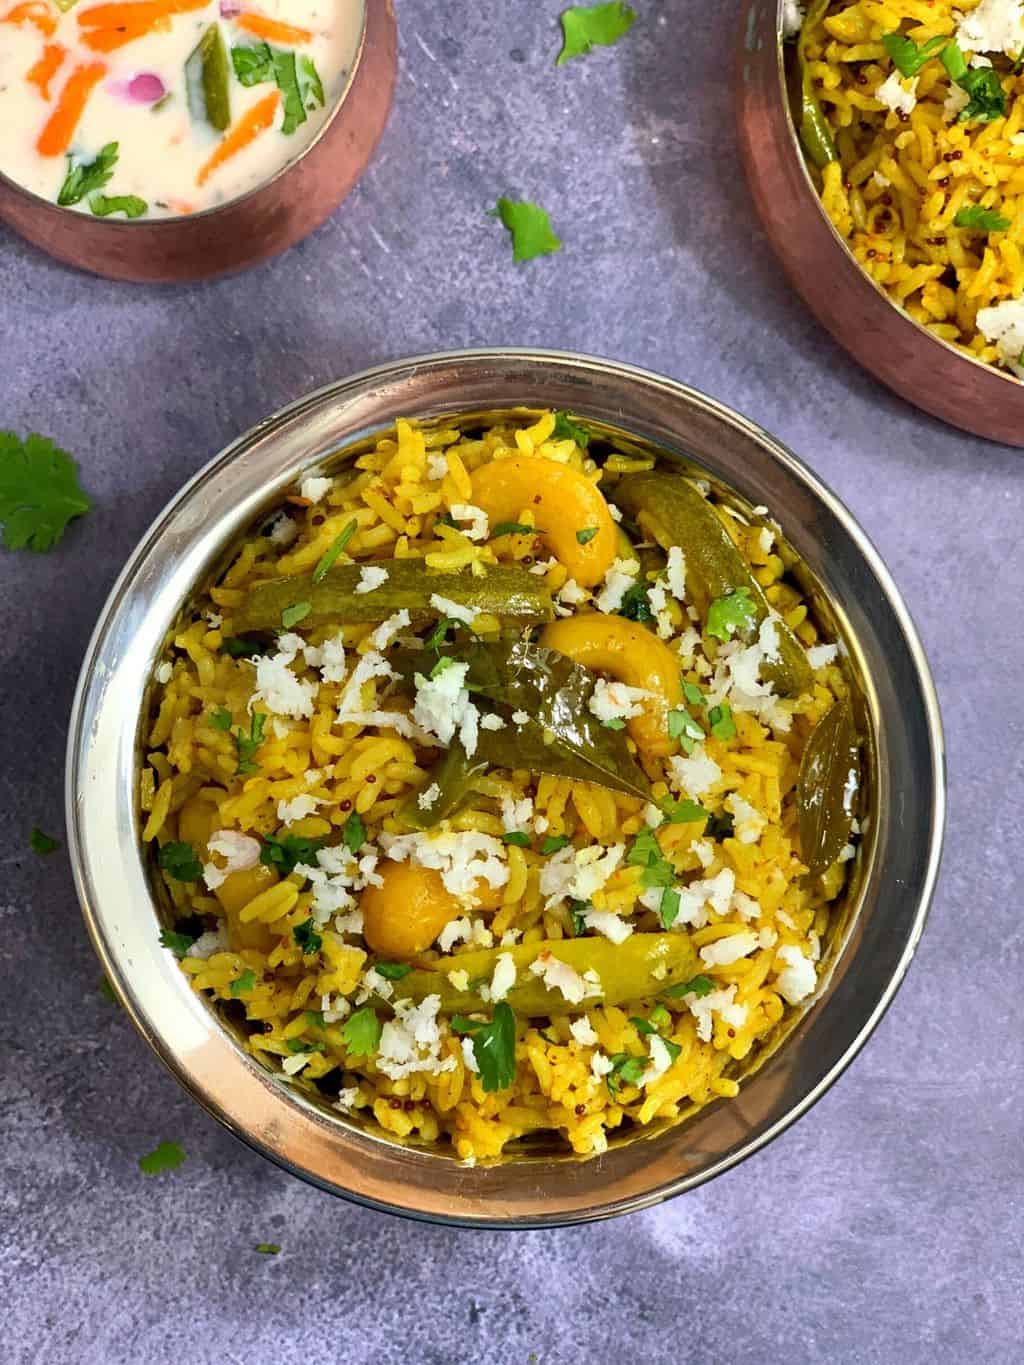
[[920, 367], [874, 937], [244, 231]]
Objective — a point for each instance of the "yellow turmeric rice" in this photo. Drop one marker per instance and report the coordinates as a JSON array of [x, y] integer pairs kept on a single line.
[[483, 811], [916, 125]]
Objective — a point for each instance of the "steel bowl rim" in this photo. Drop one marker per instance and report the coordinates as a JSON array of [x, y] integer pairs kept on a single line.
[[437, 362], [176, 220]]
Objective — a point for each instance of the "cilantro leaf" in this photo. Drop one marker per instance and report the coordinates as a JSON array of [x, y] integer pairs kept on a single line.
[[41, 843], [237, 648], [682, 726], [585, 536], [723, 726], [329, 556], [296, 78], [179, 944], [980, 220], [668, 907], [660, 1016], [393, 971], [530, 226], [513, 528], [626, 1070], [85, 176], [988, 100], [304, 1045], [494, 1046], [685, 812], [646, 853], [906, 56], [518, 837], [179, 861], [307, 938], [673, 1049], [286, 852], [247, 745], [243, 984], [614, 723], [642, 1025], [438, 637], [954, 61], [267, 1248], [693, 694], [635, 605], [221, 719], [588, 26], [697, 985], [39, 492], [731, 614], [310, 84], [253, 65], [568, 430], [554, 842], [298, 611], [103, 205], [167, 1157], [577, 909], [361, 1032], [353, 832], [286, 74]]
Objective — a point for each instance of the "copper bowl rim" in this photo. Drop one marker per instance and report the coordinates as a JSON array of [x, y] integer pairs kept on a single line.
[[886, 914], [175, 220], [798, 153]]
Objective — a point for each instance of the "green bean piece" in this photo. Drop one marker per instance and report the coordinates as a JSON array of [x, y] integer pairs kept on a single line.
[[207, 77], [815, 133], [501, 590], [827, 787], [642, 966], [674, 513]]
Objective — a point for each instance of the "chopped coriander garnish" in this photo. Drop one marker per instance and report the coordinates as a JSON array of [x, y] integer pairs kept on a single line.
[[353, 832], [660, 1017], [295, 77], [685, 812], [167, 1157], [103, 205], [361, 1032], [221, 719], [253, 65], [585, 536], [730, 615], [720, 719], [179, 861], [41, 843], [588, 26], [530, 226], [237, 648], [329, 556], [39, 492], [646, 853], [268, 1248], [626, 1070], [513, 528], [85, 176], [693, 694], [438, 637], [442, 666], [494, 1046], [518, 837], [568, 430], [668, 908], [635, 604], [393, 971], [304, 1045], [614, 723], [978, 219], [642, 1025], [697, 985], [179, 944], [247, 745], [987, 98], [683, 727], [307, 938], [907, 57], [285, 853], [577, 909], [298, 611], [554, 842], [673, 1048], [243, 984]]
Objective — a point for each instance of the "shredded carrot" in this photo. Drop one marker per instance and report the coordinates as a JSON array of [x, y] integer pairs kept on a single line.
[[60, 127], [253, 122], [47, 67], [272, 29], [33, 12], [110, 39]]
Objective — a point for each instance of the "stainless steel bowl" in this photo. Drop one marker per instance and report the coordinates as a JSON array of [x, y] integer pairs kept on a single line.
[[244, 231], [885, 912], [897, 350]]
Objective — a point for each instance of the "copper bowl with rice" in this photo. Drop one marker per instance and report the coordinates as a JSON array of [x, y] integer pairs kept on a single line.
[[875, 928], [910, 355]]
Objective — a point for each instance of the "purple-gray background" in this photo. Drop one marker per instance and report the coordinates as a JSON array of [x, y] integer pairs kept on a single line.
[[886, 1226]]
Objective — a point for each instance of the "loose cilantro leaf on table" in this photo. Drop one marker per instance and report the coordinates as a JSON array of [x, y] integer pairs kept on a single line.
[[268, 1248], [981, 220], [286, 852], [530, 226], [247, 745], [42, 843], [494, 1045], [307, 938], [568, 430], [103, 205], [588, 26], [39, 492], [731, 614], [907, 57], [361, 1032], [83, 177], [167, 1157], [298, 611], [178, 944], [328, 558], [179, 861]]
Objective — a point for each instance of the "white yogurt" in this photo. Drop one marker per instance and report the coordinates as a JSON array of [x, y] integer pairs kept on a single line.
[[162, 145]]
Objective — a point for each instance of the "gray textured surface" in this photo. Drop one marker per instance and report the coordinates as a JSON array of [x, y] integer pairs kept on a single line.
[[887, 1225]]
